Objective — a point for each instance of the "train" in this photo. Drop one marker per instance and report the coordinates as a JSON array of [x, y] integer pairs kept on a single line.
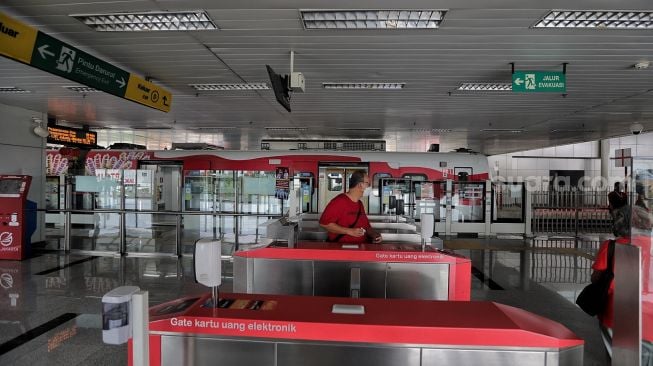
[[322, 174]]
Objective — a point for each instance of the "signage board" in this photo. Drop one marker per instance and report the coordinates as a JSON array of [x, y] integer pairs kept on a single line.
[[72, 137], [28, 45], [538, 82]]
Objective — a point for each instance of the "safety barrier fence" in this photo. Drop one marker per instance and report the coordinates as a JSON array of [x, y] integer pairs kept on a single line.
[[570, 212], [143, 232]]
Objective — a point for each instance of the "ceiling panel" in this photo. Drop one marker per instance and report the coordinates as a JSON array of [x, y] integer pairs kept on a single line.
[[476, 43]]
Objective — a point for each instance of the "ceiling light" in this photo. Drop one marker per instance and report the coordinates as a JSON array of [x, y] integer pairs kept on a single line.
[[502, 130], [485, 87], [286, 128], [82, 89], [220, 87], [148, 21], [358, 129], [572, 131], [12, 89], [432, 131], [365, 85], [212, 128], [372, 19], [605, 19]]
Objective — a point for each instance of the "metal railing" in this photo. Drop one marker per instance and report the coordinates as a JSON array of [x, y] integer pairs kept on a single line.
[[570, 212]]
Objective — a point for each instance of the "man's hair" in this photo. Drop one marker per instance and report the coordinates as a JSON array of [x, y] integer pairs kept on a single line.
[[357, 177], [617, 186]]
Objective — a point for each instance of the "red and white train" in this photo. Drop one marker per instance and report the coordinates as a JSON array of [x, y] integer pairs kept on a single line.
[[326, 171]]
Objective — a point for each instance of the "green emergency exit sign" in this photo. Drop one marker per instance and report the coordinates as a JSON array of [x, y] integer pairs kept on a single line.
[[538, 82]]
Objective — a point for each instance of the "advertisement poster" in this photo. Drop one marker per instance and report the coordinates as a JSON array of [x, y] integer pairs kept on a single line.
[[282, 184]]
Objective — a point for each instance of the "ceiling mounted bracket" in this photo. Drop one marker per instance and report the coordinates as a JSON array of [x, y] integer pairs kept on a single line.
[[512, 68], [564, 67]]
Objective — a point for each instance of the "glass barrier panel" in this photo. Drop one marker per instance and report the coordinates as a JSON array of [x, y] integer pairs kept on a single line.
[[225, 192], [256, 192], [196, 227], [468, 202], [97, 231], [508, 201], [430, 198], [104, 188], [143, 235], [198, 190]]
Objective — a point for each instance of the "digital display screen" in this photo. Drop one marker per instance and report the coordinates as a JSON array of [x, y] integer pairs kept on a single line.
[[10, 186], [71, 136]]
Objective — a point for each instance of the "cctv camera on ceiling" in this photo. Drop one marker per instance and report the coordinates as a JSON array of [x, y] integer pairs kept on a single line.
[[39, 130], [636, 128]]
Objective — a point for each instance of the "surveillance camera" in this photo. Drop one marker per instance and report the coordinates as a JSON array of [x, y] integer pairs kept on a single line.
[[642, 65], [636, 128]]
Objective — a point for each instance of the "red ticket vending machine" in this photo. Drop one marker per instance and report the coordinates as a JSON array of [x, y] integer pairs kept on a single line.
[[13, 226]]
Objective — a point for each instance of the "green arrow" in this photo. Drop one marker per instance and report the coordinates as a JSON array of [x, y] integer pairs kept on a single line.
[[519, 81]]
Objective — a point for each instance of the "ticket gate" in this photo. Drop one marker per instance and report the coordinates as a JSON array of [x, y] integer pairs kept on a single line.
[[15, 231]]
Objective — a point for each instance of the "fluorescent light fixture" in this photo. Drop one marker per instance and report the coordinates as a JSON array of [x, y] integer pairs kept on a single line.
[[13, 89], [148, 21], [358, 129], [503, 130], [432, 131], [485, 87], [597, 19], [572, 131], [82, 89], [212, 128], [363, 85], [286, 128], [373, 19], [222, 87]]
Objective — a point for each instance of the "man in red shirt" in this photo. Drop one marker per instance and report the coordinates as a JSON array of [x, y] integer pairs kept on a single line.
[[344, 217]]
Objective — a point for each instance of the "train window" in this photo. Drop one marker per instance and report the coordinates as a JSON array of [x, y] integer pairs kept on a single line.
[[414, 177], [335, 182], [376, 180]]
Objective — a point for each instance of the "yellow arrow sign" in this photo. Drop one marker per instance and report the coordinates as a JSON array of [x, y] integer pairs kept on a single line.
[[16, 39], [144, 92]]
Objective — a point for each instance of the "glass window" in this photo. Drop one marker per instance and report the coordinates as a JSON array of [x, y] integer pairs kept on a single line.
[[335, 182], [414, 177]]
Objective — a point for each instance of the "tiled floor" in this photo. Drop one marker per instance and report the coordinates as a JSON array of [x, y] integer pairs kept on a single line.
[[50, 305]]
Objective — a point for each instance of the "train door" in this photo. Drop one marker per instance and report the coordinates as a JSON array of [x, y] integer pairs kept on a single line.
[[334, 180], [165, 189]]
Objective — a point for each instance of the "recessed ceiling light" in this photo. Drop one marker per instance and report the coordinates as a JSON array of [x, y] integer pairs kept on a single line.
[[358, 129], [485, 87], [372, 19], [572, 131], [432, 131], [82, 89], [212, 128], [286, 128], [221, 87], [604, 19], [364, 85], [12, 89], [148, 21], [502, 130]]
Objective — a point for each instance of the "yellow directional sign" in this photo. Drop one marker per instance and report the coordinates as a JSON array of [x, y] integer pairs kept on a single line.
[[16, 39], [35, 48], [144, 92]]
